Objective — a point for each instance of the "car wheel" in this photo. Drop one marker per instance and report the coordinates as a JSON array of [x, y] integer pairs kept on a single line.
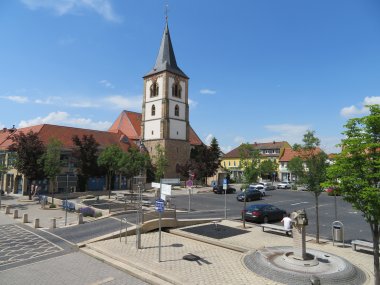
[[265, 220]]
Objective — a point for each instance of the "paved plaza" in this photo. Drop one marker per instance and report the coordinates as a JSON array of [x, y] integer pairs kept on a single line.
[[221, 259]]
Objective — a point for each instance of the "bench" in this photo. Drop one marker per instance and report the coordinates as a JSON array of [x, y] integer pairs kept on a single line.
[[121, 196], [361, 243], [275, 228], [70, 206]]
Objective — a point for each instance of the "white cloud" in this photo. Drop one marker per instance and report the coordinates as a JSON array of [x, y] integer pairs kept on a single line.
[[121, 102], [239, 140], [17, 99], [192, 104], [207, 91], [84, 104], [63, 118], [49, 100], [208, 139], [2, 126], [226, 149], [361, 109], [286, 132], [106, 84], [63, 7]]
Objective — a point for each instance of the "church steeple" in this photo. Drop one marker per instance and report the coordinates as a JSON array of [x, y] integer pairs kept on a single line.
[[166, 59]]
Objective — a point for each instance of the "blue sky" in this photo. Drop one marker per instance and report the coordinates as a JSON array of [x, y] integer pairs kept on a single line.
[[259, 70]]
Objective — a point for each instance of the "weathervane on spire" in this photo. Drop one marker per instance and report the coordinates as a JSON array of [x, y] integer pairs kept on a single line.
[[166, 12]]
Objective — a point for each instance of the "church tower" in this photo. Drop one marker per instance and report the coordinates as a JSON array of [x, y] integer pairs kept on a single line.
[[165, 112]]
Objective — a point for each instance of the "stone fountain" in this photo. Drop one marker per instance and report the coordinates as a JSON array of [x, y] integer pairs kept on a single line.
[[297, 265]]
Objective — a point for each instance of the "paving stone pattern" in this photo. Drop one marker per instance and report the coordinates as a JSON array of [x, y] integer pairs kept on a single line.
[[18, 244]]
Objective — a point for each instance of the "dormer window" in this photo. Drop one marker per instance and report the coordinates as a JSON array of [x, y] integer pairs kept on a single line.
[[176, 90], [176, 111], [154, 89], [153, 110]]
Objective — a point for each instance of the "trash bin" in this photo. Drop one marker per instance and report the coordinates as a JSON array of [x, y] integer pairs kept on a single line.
[[338, 233]]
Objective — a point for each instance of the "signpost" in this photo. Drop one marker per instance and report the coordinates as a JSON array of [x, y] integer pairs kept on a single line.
[[225, 186], [189, 184], [160, 207]]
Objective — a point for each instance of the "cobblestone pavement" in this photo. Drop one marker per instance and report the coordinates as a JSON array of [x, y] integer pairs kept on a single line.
[[18, 244], [70, 269]]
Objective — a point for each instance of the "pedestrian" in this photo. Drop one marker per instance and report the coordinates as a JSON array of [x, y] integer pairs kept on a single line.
[[32, 190], [287, 221]]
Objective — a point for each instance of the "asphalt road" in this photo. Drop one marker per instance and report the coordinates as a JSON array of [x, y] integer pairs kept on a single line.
[[213, 205]]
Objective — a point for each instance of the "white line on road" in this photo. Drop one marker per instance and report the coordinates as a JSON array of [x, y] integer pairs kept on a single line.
[[106, 280], [299, 203]]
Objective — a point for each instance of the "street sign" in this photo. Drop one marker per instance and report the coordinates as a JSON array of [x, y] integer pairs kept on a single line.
[[160, 206], [156, 185], [225, 184], [172, 181], [189, 183], [166, 189]]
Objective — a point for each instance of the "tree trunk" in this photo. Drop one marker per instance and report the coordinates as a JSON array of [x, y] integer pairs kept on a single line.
[[317, 216], [375, 237]]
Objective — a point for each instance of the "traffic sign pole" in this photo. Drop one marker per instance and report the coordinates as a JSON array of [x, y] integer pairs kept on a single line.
[[159, 237]]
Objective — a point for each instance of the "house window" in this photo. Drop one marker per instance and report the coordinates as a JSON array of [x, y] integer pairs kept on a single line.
[[153, 110], [152, 133], [176, 90], [154, 89], [176, 110]]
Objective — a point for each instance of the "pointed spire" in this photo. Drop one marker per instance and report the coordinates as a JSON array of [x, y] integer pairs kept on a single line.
[[166, 59]]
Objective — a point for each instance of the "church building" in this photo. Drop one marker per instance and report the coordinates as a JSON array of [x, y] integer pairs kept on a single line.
[[165, 111]]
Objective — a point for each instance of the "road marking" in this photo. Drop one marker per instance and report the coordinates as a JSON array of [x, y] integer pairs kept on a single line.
[[353, 212], [105, 280], [299, 203], [61, 238]]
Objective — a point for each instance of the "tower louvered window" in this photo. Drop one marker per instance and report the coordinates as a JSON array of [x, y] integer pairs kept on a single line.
[[154, 89]]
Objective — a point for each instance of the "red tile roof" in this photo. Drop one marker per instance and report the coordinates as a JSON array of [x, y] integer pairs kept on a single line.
[[260, 146], [289, 154], [129, 124], [65, 134]]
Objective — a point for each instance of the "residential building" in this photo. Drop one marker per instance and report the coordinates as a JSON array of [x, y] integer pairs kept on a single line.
[[288, 155], [268, 151], [15, 182]]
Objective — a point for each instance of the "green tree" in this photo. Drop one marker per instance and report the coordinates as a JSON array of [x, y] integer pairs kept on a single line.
[[133, 162], [51, 161], [214, 161], [356, 172], [28, 149], [110, 159], [296, 167], [86, 154], [249, 162], [160, 162], [267, 168], [314, 175]]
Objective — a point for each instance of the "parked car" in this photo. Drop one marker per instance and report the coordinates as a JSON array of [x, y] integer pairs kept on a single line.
[[250, 194], [259, 187], [284, 185], [262, 213], [219, 190]]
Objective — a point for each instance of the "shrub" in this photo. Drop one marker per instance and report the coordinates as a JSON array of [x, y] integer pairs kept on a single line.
[[98, 214], [52, 206], [87, 212], [294, 187]]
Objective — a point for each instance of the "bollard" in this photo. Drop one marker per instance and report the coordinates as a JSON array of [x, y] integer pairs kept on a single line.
[[36, 223], [15, 214], [7, 210], [53, 223], [80, 218], [25, 218]]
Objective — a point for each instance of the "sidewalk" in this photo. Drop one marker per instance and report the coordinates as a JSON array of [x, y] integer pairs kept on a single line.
[[220, 255], [35, 211]]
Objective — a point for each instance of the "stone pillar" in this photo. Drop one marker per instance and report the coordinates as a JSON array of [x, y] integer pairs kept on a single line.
[[53, 223], [15, 214], [80, 218], [36, 223], [7, 210], [25, 218], [299, 242]]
